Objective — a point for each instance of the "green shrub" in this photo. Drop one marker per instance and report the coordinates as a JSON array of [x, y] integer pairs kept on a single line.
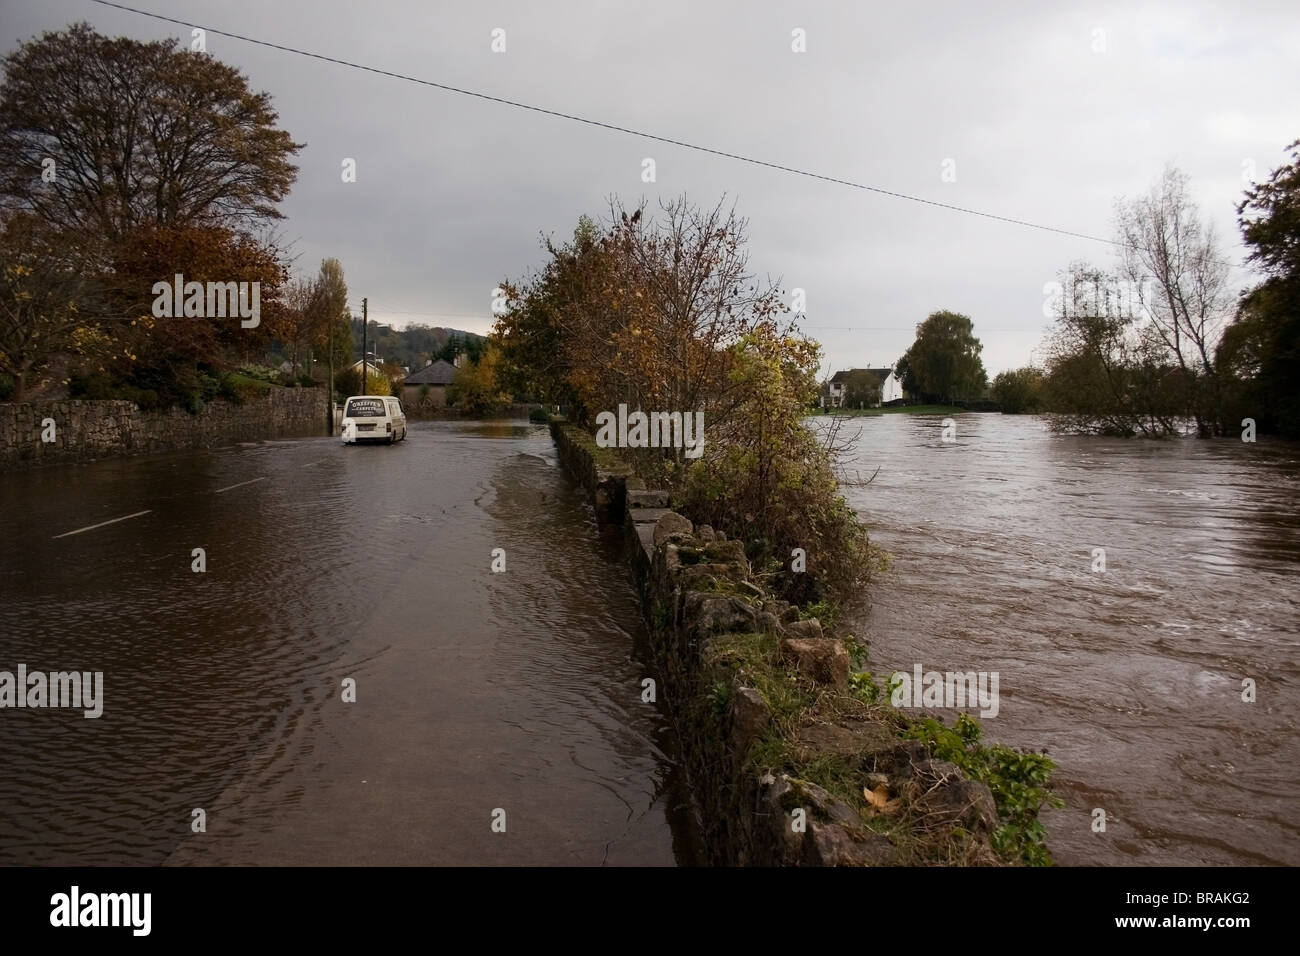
[[864, 687], [7, 386], [539, 415], [99, 386], [1018, 781], [347, 382], [262, 373], [766, 479], [209, 386], [238, 389]]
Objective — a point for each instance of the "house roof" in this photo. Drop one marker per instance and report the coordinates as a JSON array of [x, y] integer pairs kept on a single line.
[[880, 373], [439, 373]]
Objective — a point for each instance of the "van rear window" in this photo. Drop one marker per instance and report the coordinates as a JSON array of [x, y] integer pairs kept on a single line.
[[366, 408]]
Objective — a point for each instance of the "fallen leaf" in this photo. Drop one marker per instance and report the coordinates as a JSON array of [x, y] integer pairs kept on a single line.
[[879, 800], [878, 797]]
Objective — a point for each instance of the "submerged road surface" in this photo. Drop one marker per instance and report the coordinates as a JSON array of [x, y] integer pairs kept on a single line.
[[481, 698]]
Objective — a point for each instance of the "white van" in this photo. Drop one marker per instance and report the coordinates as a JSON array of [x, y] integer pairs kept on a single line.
[[373, 418]]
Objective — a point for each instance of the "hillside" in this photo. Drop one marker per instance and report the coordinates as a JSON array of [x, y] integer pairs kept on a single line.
[[415, 345]]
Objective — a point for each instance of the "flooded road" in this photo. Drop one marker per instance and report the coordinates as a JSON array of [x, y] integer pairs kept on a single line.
[[479, 696], [1131, 677]]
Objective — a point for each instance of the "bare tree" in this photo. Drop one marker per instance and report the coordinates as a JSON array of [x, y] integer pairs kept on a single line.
[[1180, 278]]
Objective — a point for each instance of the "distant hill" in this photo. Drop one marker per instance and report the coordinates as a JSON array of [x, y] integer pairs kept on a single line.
[[416, 345]]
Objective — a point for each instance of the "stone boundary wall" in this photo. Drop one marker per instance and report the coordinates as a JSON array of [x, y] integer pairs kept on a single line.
[[698, 593], [86, 430]]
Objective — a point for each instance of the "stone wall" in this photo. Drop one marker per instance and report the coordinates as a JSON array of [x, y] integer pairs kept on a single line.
[[86, 430], [711, 620]]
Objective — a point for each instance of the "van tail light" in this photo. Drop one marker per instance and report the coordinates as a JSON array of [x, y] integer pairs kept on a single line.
[[388, 426]]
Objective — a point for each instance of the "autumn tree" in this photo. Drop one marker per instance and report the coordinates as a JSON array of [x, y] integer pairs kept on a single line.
[[663, 314], [475, 386], [333, 328], [534, 354], [944, 363], [138, 134], [46, 291], [765, 478], [169, 355], [639, 310], [680, 294]]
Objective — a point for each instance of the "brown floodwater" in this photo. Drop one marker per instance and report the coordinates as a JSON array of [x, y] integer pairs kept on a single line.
[[475, 692], [1131, 677]]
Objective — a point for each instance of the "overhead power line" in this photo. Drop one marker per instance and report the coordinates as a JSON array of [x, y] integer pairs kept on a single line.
[[610, 126]]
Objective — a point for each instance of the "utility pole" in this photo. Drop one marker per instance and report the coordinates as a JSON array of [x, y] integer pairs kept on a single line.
[[331, 333], [365, 378]]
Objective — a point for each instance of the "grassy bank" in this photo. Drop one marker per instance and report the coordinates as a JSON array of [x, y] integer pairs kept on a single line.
[[836, 739]]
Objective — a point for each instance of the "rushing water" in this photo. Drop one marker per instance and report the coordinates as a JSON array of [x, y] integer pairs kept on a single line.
[[475, 691], [1131, 677]]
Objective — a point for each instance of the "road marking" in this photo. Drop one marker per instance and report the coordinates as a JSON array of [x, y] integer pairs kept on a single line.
[[310, 463], [101, 524], [240, 485]]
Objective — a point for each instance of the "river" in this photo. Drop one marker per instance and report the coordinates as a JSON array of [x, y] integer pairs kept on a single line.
[[1131, 677]]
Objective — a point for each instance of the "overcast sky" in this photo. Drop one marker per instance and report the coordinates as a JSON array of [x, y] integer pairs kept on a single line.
[[1044, 118]]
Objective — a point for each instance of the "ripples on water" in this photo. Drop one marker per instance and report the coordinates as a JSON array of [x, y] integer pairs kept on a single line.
[[1131, 678], [221, 689]]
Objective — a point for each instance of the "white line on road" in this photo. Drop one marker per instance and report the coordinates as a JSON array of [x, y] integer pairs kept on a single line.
[[102, 523], [240, 485]]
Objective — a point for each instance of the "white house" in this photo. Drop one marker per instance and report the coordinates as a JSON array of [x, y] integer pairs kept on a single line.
[[891, 388]]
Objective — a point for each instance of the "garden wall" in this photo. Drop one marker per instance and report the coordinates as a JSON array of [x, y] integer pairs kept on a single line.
[[86, 430]]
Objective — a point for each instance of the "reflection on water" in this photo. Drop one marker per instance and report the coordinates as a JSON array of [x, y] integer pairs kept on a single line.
[[474, 691], [1131, 678], [503, 429]]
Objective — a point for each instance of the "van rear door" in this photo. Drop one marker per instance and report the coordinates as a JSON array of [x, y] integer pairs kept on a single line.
[[367, 413]]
